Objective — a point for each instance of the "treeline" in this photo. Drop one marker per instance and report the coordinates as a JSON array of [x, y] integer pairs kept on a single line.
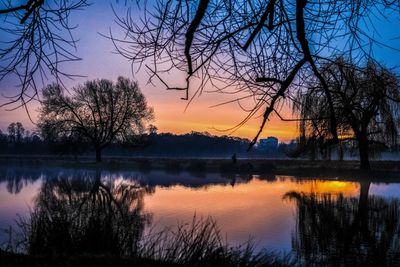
[[18, 140], [194, 144], [203, 144], [165, 145]]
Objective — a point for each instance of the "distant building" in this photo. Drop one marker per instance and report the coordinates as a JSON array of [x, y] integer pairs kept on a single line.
[[270, 143]]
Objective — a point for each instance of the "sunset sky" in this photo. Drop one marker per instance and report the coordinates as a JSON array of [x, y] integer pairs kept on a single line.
[[99, 61]]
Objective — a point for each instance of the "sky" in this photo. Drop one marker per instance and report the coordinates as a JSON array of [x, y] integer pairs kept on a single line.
[[99, 60]]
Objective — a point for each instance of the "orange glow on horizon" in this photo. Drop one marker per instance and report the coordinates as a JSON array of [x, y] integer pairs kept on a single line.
[[171, 116]]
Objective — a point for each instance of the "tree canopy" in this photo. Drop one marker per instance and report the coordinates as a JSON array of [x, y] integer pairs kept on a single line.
[[100, 112], [15, 131]]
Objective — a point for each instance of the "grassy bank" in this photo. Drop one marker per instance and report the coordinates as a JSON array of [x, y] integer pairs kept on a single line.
[[250, 166]]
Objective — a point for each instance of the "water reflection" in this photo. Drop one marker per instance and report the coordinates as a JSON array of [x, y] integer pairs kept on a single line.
[[86, 214], [337, 221], [17, 178], [334, 230]]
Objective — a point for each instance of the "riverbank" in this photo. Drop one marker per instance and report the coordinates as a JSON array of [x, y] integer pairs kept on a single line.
[[243, 166]]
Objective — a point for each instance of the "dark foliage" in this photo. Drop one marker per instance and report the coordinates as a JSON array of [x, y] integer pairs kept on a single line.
[[193, 144]]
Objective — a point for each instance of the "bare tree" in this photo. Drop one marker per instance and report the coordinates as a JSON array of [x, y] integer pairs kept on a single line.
[[36, 39], [366, 105], [15, 132], [99, 112], [261, 50]]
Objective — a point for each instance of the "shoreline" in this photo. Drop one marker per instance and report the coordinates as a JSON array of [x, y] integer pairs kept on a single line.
[[199, 165]]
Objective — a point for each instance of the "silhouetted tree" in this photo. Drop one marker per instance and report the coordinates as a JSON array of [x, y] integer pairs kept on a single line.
[[152, 129], [261, 50], [366, 103], [100, 112], [3, 141], [16, 132]]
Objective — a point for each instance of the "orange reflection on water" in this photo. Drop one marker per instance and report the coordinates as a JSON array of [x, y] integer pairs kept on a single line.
[[332, 187], [248, 209], [254, 209]]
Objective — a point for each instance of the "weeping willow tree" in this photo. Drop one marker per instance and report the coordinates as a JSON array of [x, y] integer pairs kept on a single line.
[[366, 107]]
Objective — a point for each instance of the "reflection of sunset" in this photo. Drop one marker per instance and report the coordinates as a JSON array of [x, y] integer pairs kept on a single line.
[[253, 209], [334, 187]]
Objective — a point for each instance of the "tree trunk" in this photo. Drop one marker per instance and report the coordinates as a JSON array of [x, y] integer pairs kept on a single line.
[[329, 153], [98, 154], [341, 153], [364, 157]]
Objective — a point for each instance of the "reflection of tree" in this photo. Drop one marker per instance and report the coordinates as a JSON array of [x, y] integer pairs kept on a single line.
[[16, 179], [14, 186], [86, 215], [346, 231]]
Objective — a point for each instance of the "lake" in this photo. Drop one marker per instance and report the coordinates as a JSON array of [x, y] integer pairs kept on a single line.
[[286, 214]]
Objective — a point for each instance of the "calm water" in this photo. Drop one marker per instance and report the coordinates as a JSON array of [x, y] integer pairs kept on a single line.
[[280, 213]]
